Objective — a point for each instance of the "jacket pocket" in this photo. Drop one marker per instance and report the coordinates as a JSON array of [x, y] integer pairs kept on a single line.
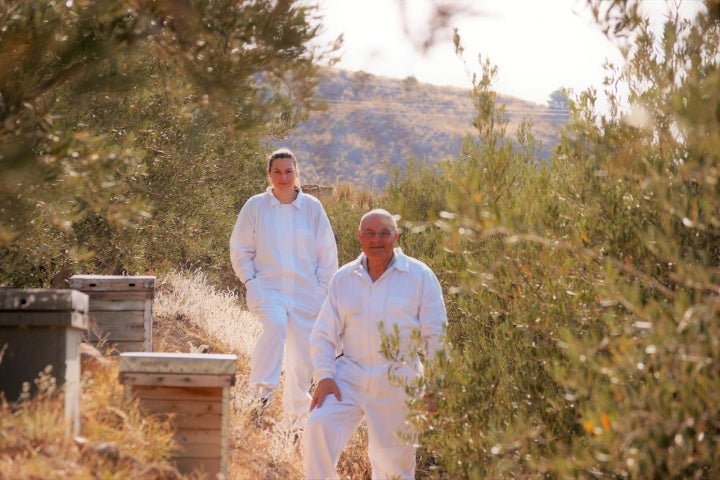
[[253, 296]]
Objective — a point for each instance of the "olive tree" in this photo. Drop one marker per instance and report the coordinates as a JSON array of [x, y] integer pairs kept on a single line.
[[583, 329], [113, 111]]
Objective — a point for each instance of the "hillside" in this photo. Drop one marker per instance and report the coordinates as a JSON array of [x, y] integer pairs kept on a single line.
[[372, 122]]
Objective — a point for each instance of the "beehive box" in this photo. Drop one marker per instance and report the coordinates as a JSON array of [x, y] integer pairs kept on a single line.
[[120, 310], [194, 390], [41, 327]]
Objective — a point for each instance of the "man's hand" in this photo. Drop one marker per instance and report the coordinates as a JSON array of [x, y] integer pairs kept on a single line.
[[325, 387]]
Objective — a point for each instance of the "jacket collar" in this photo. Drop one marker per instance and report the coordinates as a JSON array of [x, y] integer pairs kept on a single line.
[[274, 202], [399, 262]]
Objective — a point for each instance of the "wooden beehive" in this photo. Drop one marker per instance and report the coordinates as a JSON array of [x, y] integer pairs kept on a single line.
[[194, 390], [40, 328], [120, 310]]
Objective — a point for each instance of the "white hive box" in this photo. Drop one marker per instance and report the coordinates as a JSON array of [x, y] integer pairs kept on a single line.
[[120, 309], [41, 327], [195, 390]]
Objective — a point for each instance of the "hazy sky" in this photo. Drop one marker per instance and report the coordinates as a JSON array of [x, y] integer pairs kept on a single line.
[[537, 45]]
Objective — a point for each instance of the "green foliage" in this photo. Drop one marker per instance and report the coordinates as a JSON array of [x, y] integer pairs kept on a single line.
[[345, 209], [582, 292], [559, 99], [417, 194], [126, 127]]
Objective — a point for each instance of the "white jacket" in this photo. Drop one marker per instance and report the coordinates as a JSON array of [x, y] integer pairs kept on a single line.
[[287, 247], [407, 295]]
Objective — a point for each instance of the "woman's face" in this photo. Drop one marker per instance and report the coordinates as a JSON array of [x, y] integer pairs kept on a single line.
[[282, 173]]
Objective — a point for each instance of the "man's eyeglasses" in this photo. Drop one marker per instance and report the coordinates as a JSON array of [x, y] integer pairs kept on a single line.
[[383, 234]]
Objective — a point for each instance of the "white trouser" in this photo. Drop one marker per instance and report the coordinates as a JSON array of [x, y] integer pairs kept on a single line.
[[286, 330], [365, 394]]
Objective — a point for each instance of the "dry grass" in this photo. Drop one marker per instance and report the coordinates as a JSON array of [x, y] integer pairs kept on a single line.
[[117, 441], [190, 313], [188, 300]]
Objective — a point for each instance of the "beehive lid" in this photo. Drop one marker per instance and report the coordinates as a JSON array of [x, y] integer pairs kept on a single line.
[[43, 300], [178, 363], [103, 283]]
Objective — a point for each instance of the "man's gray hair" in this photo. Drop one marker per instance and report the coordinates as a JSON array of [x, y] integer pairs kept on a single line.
[[382, 212]]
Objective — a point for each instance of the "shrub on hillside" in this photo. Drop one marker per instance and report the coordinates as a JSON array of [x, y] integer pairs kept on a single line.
[[583, 327]]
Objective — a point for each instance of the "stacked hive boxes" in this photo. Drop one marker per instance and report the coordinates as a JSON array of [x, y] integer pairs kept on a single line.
[[41, 328], [120, 310]]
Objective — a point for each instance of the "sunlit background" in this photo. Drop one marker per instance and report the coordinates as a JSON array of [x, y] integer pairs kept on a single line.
[[538, 47]]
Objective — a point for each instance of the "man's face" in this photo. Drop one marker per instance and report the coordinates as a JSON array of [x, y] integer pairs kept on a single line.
[[378, 237]]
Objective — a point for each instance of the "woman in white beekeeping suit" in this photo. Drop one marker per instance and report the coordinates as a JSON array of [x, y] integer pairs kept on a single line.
[[283, 249]]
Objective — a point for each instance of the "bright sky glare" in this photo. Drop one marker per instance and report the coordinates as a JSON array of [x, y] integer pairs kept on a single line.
[[538, 46]]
